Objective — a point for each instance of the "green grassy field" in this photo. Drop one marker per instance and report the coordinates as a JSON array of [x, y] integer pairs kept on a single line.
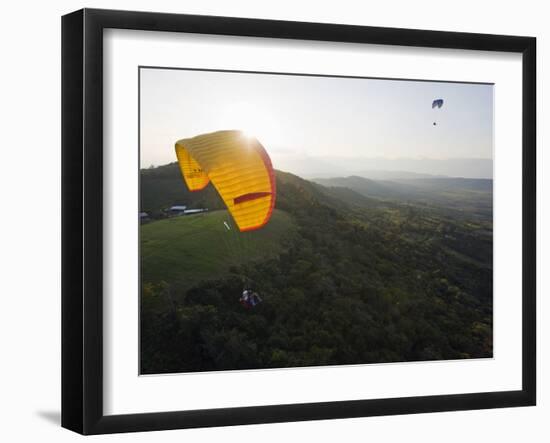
[[187, 249]]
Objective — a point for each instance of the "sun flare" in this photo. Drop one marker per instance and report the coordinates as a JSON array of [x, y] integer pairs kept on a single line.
[[251, 120]]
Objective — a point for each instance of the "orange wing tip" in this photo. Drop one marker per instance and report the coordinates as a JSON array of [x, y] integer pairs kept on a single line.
[[197, 189]]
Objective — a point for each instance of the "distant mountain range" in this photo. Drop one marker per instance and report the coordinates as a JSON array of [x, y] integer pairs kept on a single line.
[[375, 174], [383, 168]]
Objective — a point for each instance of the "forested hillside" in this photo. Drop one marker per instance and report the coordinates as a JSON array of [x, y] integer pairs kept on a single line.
[[345, 278]]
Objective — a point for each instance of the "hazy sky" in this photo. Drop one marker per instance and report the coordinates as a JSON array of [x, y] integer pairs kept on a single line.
[[297, 117]]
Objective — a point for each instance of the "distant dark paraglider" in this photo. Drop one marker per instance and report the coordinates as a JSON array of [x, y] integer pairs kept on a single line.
[[437, 103]]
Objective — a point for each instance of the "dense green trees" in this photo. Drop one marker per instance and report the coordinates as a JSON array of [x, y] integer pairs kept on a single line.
[[359, 283]]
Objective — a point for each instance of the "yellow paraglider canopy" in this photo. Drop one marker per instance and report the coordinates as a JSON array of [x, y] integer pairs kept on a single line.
[[239, 168]]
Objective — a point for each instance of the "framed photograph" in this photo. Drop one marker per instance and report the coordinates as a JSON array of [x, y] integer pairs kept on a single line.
[[268, 221]]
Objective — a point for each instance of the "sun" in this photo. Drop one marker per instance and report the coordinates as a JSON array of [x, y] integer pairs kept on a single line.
[[251, 120], [248, 134]]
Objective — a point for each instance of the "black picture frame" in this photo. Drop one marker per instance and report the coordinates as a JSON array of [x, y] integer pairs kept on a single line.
[[82, 216]]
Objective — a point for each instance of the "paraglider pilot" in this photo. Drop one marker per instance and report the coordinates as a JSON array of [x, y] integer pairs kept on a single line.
[[249, 299]]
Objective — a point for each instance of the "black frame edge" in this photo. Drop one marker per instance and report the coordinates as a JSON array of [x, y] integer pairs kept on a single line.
[[294, 30], [82, 156], [72, 222], [309, 411], [529, 220], [93, 226]]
